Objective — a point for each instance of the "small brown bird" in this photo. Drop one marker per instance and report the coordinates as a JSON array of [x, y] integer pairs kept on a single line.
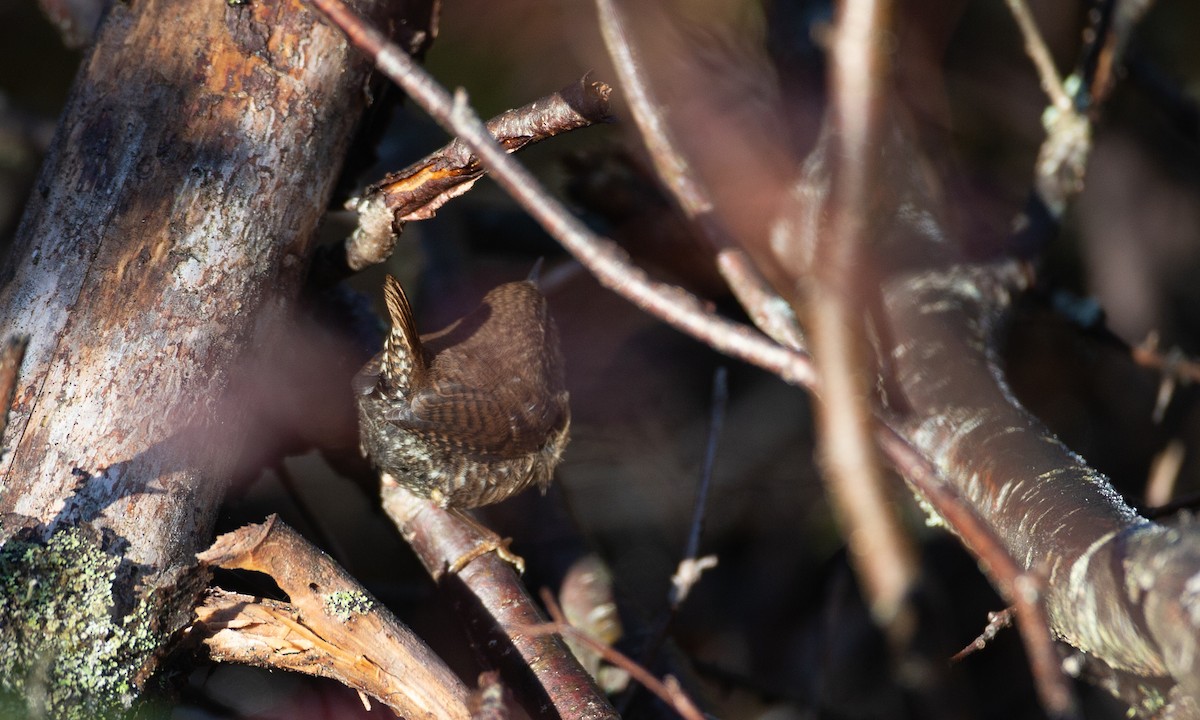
[[474, 413]]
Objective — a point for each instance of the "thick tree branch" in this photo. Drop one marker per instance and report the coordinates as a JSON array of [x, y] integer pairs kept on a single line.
[[1114, 581], [167, 233]]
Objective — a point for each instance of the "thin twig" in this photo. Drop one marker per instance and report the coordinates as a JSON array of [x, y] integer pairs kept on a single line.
[[720, 401], [1107, 38], [1173, 366], [609, 263], [1062, 158], [1172, 363], [416, 192], [1164, 473], [1035, 47], [672, 166], [769, 312], [690, 567], [997, 621], [668, 691], [1096, 63]]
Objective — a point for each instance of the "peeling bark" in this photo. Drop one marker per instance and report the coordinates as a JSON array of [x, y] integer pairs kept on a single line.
[[1119, 588]]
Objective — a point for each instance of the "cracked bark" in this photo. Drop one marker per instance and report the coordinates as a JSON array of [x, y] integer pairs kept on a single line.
[[167, 233]]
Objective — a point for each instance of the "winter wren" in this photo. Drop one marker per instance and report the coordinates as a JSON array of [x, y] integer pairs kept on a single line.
[[471, 414]]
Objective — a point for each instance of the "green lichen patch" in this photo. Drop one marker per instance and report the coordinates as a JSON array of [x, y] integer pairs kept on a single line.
[[1151, 704], [344, 604], [67, 653]]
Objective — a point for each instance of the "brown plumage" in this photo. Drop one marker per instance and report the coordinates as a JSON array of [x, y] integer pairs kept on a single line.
[[474, 413]]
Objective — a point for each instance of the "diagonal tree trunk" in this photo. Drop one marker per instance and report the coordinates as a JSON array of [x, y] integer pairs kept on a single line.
[[168, 231]]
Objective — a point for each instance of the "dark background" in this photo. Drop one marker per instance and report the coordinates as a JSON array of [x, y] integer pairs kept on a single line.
[[777, 629]]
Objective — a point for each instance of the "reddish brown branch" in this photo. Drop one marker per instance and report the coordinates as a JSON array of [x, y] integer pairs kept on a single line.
[[668, 691], [495, 607], [1108, 37], [419, 190], [1172, 364]]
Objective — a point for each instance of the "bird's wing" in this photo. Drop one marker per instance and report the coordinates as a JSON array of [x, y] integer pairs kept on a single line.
[[479, 423]]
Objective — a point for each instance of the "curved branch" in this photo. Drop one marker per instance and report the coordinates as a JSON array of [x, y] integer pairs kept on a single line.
[[770, 313], [1115, 582]]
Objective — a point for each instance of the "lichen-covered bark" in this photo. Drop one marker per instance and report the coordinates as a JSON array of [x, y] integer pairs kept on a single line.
[[168, 229]]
